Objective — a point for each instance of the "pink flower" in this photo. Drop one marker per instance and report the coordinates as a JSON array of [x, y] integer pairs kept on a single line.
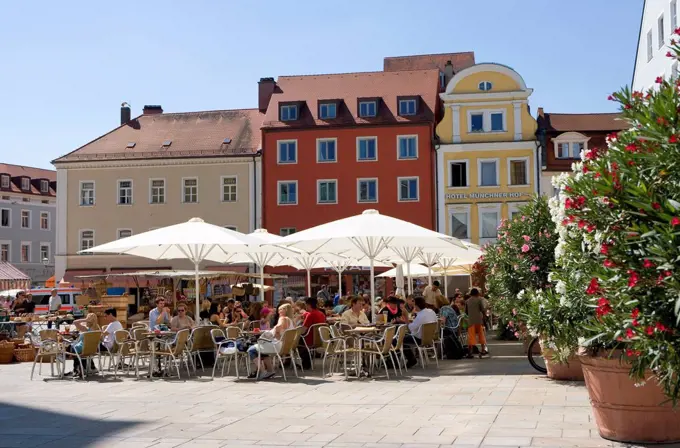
[[527, 238], [525, 248], [516, 334], [675, 221], [523, 218], [534, 268]]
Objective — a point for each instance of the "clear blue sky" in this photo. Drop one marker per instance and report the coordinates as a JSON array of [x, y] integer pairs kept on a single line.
[[65, 67]]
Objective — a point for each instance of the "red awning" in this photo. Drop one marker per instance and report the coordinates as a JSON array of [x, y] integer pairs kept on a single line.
[[229, 268], [71, 274], [9, 272]]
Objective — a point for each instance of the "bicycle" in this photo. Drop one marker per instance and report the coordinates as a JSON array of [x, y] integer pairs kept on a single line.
[[536, 359]]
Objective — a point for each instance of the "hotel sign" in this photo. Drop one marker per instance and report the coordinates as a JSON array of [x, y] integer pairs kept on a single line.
[[486, 195]]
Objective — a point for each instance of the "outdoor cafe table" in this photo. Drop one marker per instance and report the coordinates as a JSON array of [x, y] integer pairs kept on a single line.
[[153, 339], [356, 334]]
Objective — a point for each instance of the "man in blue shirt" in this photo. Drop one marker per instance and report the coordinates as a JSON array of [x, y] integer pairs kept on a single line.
[[159, 315]]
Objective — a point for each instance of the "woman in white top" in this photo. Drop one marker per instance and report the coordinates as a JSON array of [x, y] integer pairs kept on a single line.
[[355, 315], [271, 338]]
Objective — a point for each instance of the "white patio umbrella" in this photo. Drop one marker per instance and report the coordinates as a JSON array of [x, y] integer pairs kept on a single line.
[[417, 271], [399, 275], [372, 235], [447, 263], [194, 240]]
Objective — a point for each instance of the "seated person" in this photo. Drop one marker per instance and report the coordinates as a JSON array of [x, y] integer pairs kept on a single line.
[[355, 315], [449, 317], [392, 311], [159, 315], [341, 307], [264, 318], [237, 314], [424, 315], [181, 321], [89, 323], [270, 341]]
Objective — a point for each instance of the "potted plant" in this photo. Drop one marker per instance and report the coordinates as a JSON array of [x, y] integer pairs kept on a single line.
[[619, 245]]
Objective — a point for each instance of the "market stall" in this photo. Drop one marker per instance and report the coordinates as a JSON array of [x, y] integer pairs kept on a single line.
[[12, 278]]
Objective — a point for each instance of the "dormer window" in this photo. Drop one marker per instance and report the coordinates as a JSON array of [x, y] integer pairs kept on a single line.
[[4, 181], [44, 186], [442, 80], [485, 86], [25, 183], [328, 110], [569, 145], [408, 106], [289, 112], [368, 109]]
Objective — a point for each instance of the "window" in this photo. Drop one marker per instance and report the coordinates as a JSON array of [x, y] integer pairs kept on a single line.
[[514, 209], [408, 147], [518, 171], [477, 122], [25, 252], [229, 186], [5, 217], [325, 150], [650, 48], [285, 231], [569, 150], [486, 121], [488, 173], [408, 189], [157, 195], [442, 80], [459, 174], [368, 108], [407, 107], [660, 32], [124, 233], [44, 220], [86, 239], [497, 122], [367, 190], [87, 193], [674, 15], [289, 112], [288, 151], [4, 181], [190, 190], [124, 192], [327, 191], [25, 183], [44, 186], [485, 86], [25, 200], [327, 111], [234, 228], [44, 252], [25, 219], [367, 148], [287, 192], [459, 224], [4, 252], [488, 222]]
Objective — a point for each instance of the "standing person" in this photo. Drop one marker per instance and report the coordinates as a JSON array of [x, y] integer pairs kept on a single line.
[[433, 296], [476, 308], [323, 294], [159, 315], [53, 305]]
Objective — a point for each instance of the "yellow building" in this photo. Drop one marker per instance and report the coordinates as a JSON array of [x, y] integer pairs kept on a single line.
[[487, 157]]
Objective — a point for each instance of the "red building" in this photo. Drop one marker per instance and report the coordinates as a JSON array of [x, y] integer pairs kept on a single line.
[[336, 145]]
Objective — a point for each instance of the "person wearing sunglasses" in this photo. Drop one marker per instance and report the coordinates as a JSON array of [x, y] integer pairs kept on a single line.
[[181, 321]]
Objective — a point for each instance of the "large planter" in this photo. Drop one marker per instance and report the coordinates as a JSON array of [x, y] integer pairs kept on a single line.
[[569, 371], [624, 412]]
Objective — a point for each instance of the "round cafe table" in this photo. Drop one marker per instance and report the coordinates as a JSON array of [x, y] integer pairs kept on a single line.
[[155, 338]]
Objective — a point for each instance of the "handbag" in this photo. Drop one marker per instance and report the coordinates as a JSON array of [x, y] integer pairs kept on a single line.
[[238, 291], [249, 289]]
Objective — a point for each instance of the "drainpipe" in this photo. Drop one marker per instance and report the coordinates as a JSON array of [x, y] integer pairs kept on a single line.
[[435, 143], [540, 149], [257, 154]]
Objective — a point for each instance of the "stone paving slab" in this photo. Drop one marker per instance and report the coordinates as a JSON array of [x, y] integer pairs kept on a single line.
[[496, 402]]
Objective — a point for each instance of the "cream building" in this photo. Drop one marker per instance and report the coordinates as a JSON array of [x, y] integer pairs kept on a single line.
[[152, 171], [487, 157]]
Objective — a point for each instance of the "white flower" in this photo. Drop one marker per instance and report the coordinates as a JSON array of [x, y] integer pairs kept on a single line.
[[561, 287], [520, 295]]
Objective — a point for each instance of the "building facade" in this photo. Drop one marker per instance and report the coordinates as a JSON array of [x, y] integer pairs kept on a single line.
[[564, 136], [153, 171], [336, 145], [27, 220], [487, 153], [659, 20]]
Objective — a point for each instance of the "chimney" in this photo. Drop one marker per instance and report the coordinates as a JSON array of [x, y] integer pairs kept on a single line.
[[265, 89], [125, 113], [152, 110], [448, 71], [540, 112]]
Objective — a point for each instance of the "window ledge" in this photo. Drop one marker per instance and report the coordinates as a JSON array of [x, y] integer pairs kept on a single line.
[[409, 200], [367, 160], [287, 203], [327, 161], [519, 186], [488, 186], [327, 203], [367, 202], [407, 158], [458, 188]]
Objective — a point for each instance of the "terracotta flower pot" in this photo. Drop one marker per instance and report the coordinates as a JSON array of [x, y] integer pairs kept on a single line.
[[569, 371], [624, 412]]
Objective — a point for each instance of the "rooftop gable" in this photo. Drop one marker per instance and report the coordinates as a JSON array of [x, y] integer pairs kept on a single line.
[[593, 122]]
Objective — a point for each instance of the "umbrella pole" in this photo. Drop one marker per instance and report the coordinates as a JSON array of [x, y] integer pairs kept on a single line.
[[429, 275], [373, 311], [446, 286], [261, 283], [408, 277], [198, 290], [309, 283], [339, 285]]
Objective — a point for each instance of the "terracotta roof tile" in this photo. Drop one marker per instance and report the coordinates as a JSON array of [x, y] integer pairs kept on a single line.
[[459, 61], [192, 134], [348, 88], [17, 171], [9, 272], [584, 122]]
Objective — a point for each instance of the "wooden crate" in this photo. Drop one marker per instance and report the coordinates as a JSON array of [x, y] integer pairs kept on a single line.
[[120, 303]]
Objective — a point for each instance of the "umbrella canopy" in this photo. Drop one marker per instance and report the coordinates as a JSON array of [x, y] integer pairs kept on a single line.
[[417, 270], [373, 236], [194, 240]]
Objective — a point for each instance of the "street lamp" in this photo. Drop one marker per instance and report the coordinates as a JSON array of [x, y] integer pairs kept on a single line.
[[45, 261]]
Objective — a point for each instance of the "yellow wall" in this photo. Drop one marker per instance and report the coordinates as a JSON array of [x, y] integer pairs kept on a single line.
[[501, 82]]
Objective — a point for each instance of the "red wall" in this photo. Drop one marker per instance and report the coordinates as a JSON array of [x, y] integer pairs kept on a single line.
[[307, 213]]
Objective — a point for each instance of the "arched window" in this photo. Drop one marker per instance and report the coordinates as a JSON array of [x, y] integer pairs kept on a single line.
[[485, 86]]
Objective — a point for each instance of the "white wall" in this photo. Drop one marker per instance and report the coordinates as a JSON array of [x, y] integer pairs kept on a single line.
[[660, 65]]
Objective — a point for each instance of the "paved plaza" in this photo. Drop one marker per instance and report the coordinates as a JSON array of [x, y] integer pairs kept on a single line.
[[468, 403]]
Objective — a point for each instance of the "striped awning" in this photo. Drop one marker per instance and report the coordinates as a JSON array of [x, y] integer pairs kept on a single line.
[[13, 278]]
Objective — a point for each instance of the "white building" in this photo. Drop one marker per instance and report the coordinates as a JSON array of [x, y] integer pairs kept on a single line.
[[659, 20]]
